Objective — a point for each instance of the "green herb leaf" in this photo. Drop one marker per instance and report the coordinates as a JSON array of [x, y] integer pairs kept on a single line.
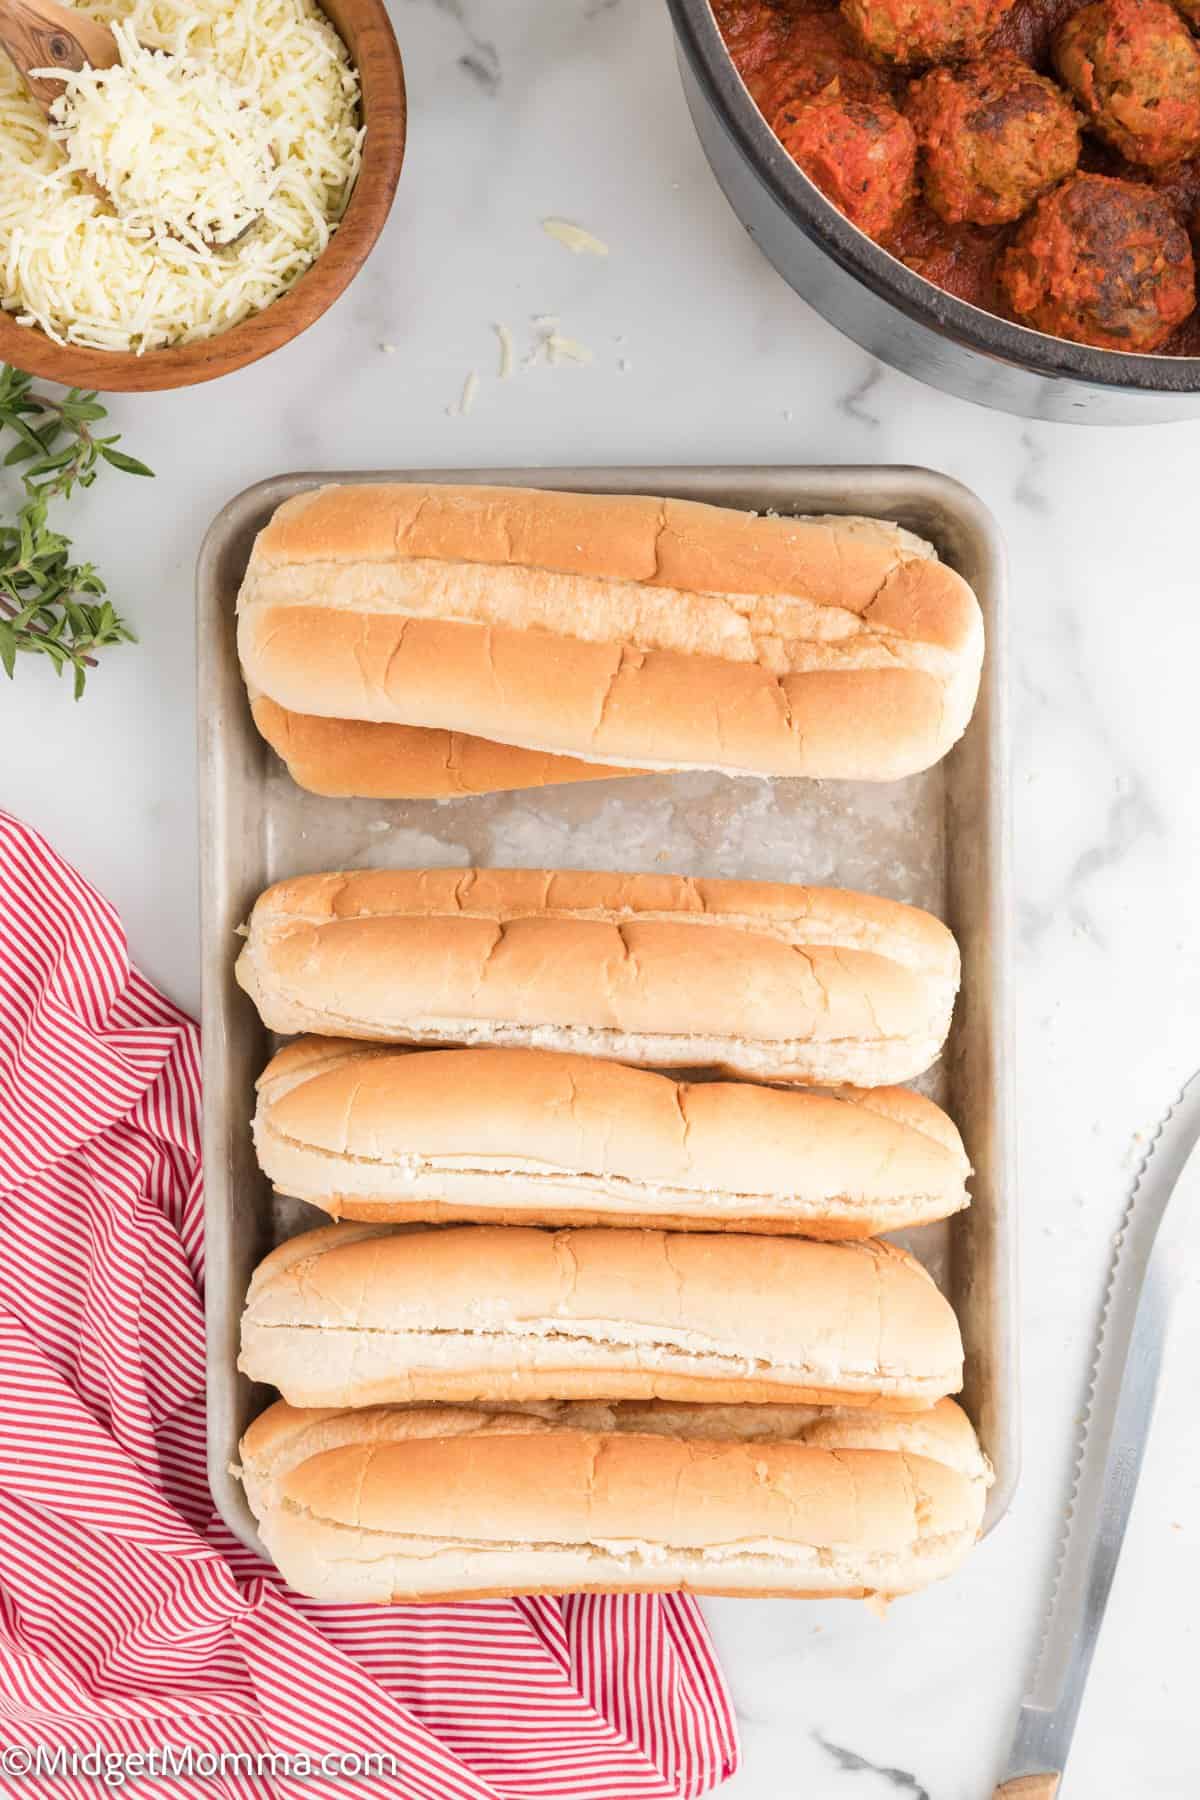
[[50, 605], [31, 444], [119, 460]]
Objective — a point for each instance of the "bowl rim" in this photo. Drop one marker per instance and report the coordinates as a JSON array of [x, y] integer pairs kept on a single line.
[[381, 78], [988, 333]]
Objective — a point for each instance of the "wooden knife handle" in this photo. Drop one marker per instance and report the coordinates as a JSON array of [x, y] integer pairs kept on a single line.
[[1029, 1787], [40, 34]]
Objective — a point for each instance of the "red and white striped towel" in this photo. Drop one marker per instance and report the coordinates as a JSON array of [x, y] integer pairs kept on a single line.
[[129, 1618]]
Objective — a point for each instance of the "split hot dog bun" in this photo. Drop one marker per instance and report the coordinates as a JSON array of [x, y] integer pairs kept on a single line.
[[360, 1315], [444, 1503], [617, 629], [769, 981], [537, 1137], [348, 757]]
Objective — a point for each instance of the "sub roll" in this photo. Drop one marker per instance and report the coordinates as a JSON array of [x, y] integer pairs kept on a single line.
[[544, 1138], [764, 980], [445, 1503], [348, 757], [623, 630], [359, 1315]]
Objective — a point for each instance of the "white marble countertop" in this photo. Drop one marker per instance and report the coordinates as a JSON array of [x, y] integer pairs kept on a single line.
[[572, 107]]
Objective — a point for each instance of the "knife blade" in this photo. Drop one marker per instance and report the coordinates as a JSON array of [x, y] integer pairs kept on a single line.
[[1144, 1276]]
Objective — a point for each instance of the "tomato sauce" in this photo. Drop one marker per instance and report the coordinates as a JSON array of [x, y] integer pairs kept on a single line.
[[767, 41]]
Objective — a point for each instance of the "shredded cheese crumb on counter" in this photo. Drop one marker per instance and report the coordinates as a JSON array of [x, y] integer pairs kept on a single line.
[[550, 346], [458, 409], [161, 270], [578, 241], [564, 349]]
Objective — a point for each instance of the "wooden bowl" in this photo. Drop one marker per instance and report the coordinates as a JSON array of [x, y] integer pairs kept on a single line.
[[367, 33]]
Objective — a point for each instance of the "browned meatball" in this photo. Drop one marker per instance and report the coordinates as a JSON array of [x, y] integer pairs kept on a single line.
[[993, 137], [1101, 262], [912, 32], [1135, 68], [862, 154]]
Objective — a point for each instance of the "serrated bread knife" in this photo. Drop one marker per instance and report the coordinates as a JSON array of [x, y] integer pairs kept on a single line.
[[1149, 1255]]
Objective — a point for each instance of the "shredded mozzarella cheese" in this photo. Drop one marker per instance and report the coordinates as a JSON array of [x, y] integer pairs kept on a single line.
[[86, 274], [564, 349], [173, 143], [578, 241]]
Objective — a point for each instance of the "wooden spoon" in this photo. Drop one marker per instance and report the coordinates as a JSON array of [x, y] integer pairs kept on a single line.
[[41, 34]]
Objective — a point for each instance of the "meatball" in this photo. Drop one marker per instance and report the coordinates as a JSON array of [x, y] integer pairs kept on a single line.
[[1102, 262], [993, 137], [862, 154], [912, 32], [1134, 67]]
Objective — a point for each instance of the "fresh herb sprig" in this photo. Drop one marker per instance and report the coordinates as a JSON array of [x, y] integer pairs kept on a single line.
[[51, 605]]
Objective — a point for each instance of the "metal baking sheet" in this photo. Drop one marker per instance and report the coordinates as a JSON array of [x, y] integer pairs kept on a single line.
[[938, 840]]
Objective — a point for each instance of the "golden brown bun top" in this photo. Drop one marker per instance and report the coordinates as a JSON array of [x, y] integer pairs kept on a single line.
[[283, 1436], [865, 1306], [767, 979], [356, 757], [579, 1487], [802, 915], [679, 544], [552, 1109]]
